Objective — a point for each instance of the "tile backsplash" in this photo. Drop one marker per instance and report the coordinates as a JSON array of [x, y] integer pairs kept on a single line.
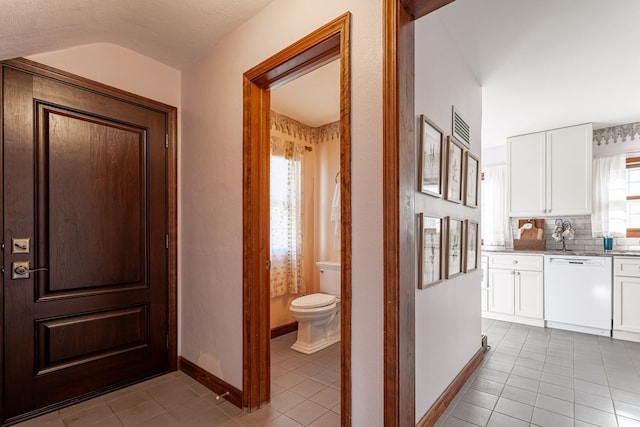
[[583, 240]]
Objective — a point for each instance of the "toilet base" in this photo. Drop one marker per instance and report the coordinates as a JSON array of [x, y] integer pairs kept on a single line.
[[310, 348], [317, 333]]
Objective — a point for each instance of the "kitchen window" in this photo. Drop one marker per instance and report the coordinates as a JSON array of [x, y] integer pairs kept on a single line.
[[633, 197], [495, 222]]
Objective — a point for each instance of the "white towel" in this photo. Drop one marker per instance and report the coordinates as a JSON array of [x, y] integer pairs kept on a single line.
[[335, 217]]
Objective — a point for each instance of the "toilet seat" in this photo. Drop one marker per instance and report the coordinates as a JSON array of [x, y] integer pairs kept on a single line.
[[313, 301]]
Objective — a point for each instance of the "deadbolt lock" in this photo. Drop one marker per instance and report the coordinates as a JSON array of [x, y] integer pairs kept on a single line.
[[20, 246]]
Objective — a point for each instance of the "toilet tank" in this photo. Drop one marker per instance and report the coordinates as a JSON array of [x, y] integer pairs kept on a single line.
[[329, 277]]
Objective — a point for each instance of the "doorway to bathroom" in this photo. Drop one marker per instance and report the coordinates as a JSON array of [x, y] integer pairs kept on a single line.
[[304, 189], [309, 56], [305, 246]]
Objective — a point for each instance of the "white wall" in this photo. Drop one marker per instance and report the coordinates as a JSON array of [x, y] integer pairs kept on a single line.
[[447, 314], [327, 166], [494, 156], [118, 67], [211, 188]]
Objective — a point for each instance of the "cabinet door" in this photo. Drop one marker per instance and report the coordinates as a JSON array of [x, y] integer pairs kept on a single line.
[[526, 174], [484, 297], [528, 294], [501, 291], [626, 299], [569, 170]]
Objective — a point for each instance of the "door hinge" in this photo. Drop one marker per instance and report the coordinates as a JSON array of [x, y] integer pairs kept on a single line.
[[166, 241], [267, 264], [167, 341], [166, 140]]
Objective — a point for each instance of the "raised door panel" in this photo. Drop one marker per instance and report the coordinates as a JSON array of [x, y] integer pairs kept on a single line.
[[569, 170], [626, 300], [65, 342], [94, 218], [526, 174], [529, 294], [501, 291]]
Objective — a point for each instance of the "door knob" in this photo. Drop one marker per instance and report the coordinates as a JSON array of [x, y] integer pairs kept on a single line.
[[21, 270]]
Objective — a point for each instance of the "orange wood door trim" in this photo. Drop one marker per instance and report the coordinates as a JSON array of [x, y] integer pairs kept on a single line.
[[419, 8], [318, 48], [398, 210]]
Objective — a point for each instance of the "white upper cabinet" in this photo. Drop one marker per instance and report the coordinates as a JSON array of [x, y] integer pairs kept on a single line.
[[550, 172], [526, 170], [569, 170]]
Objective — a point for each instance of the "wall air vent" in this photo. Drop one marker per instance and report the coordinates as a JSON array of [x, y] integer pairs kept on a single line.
[[461, 129]]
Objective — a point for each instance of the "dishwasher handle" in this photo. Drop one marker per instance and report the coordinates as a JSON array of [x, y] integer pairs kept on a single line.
[[577, 261]]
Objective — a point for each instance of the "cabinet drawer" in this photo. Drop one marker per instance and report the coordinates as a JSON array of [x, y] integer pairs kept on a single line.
[[628, 267], [517, 262]]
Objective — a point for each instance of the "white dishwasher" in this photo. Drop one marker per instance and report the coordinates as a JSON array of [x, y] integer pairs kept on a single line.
[[577, 293]]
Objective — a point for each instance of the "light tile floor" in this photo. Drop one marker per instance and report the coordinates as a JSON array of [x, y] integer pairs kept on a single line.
[[549, 378], [305, 391]]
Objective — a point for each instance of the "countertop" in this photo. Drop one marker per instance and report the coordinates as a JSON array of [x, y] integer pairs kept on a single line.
[[562, 253]]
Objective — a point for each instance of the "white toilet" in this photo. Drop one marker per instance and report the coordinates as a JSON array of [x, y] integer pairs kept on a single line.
[[318, 315]]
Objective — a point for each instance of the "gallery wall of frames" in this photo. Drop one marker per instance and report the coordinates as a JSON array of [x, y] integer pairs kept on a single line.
[[448, 246]]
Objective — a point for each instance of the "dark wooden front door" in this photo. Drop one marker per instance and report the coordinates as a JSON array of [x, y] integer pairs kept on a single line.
[[85, 205]]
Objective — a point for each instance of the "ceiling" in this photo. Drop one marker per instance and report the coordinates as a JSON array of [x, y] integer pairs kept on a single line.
[[313, 99], [173, 32], [176, 33], [549, 63], [542, 64]]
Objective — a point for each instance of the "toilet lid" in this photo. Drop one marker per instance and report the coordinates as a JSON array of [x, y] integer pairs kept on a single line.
[[313, 301]]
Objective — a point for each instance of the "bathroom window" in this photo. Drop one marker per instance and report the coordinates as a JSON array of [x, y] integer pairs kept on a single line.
[[286, 216]]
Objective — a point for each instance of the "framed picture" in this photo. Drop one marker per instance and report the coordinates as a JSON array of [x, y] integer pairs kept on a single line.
[[471, 246], [430, 252], [454, 170], [472, 178], [455, 239], [432, 149]]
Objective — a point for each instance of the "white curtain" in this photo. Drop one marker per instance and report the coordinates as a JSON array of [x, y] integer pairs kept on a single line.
[[496, 229], [286, 217], [609, 217]]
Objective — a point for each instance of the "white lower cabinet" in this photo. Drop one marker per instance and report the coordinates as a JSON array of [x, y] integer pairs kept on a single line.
[[529, 294], [484, 292], [626, 298], [515, 284], [501, 291]]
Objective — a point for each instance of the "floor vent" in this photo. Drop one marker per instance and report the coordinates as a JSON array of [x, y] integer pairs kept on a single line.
[[461, 129]]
